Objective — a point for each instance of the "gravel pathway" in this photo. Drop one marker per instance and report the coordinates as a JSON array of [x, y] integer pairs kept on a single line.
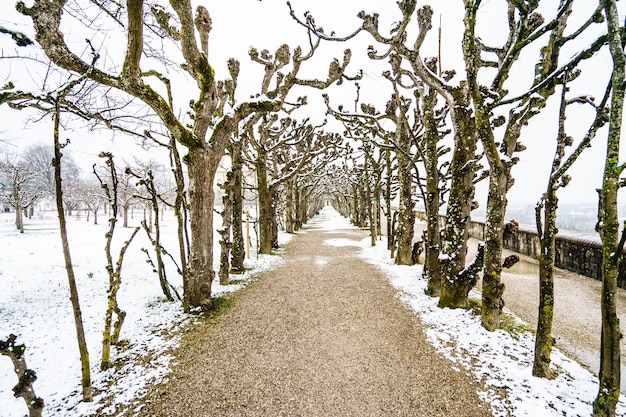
[[323, 334]]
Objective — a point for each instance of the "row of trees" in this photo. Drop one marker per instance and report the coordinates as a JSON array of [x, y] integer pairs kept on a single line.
[[438, 135], [286, 154], [27, 180], [486, 122]]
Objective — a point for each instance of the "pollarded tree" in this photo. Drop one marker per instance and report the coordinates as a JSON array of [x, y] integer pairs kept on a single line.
[[545, 217], [214, 115], [464, 161], [525, 28], [112, 329], [608, 224], [280, 150]]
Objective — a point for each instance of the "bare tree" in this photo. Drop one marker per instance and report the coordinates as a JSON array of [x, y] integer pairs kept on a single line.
[[78, 320], [92, 198], [19, 188], [26, 377], [112, 330], [205, 137], [608, 225], [546, 214]]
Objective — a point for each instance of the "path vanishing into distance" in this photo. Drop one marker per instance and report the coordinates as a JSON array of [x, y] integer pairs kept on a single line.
[[322, 334]]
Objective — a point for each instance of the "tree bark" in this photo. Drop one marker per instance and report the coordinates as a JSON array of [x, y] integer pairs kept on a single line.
[[608, 227], [289, 206], [78, 318], [201, 196], [238, 247], [431, 205], [454, 291], [225, 232], [265, 208], [26, 377], [544, 341]]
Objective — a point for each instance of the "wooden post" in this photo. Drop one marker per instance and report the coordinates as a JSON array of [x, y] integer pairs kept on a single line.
[[247, 234]]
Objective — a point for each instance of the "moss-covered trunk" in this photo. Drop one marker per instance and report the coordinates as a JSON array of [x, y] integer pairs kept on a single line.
[[265, 208], [406, 214], [455, 288], [493, 288], [201, 197], [223, 272], [289, 228], [238, 250], [544, 340], [431, 205], [608, 226]]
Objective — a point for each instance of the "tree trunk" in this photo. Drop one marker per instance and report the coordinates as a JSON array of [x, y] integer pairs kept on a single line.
[[406, 215], [355, 206], [455, 289], [19, 218], [543, 339], [265, 209], [225, 242], [78, 318], [431, 205], [376, 209], [608, 227], [289, 206], [493, 288], [368, 201], [238, 251], [112, 330], [180, 211], [158, 249], [201, 197], [274, 219], [363, 219]]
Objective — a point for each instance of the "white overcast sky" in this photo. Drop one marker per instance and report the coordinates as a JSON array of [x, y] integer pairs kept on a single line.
[[241, 24]]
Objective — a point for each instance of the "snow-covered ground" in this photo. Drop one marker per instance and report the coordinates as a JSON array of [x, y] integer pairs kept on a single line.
[[502, 360], [35, 306]]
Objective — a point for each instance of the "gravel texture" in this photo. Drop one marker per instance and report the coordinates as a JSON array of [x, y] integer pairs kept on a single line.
[[323, 334]]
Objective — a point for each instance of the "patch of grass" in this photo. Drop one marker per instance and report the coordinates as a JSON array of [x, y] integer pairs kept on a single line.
[[475, 305], [514, 326], [221, 304]]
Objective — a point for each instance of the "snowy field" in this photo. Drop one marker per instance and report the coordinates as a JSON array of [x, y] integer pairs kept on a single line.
[[501, 360], [35, 306]]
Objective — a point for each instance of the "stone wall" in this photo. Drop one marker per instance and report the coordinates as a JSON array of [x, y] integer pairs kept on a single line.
[[577, 252]]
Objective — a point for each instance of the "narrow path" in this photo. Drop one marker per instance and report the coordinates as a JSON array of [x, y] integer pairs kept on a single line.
[[323, 334]]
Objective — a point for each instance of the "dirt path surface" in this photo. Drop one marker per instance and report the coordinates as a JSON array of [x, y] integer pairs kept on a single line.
[[323, 334], [577, 314]]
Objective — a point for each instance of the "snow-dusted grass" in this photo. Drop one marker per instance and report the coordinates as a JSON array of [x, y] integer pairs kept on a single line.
[[34, 305]]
